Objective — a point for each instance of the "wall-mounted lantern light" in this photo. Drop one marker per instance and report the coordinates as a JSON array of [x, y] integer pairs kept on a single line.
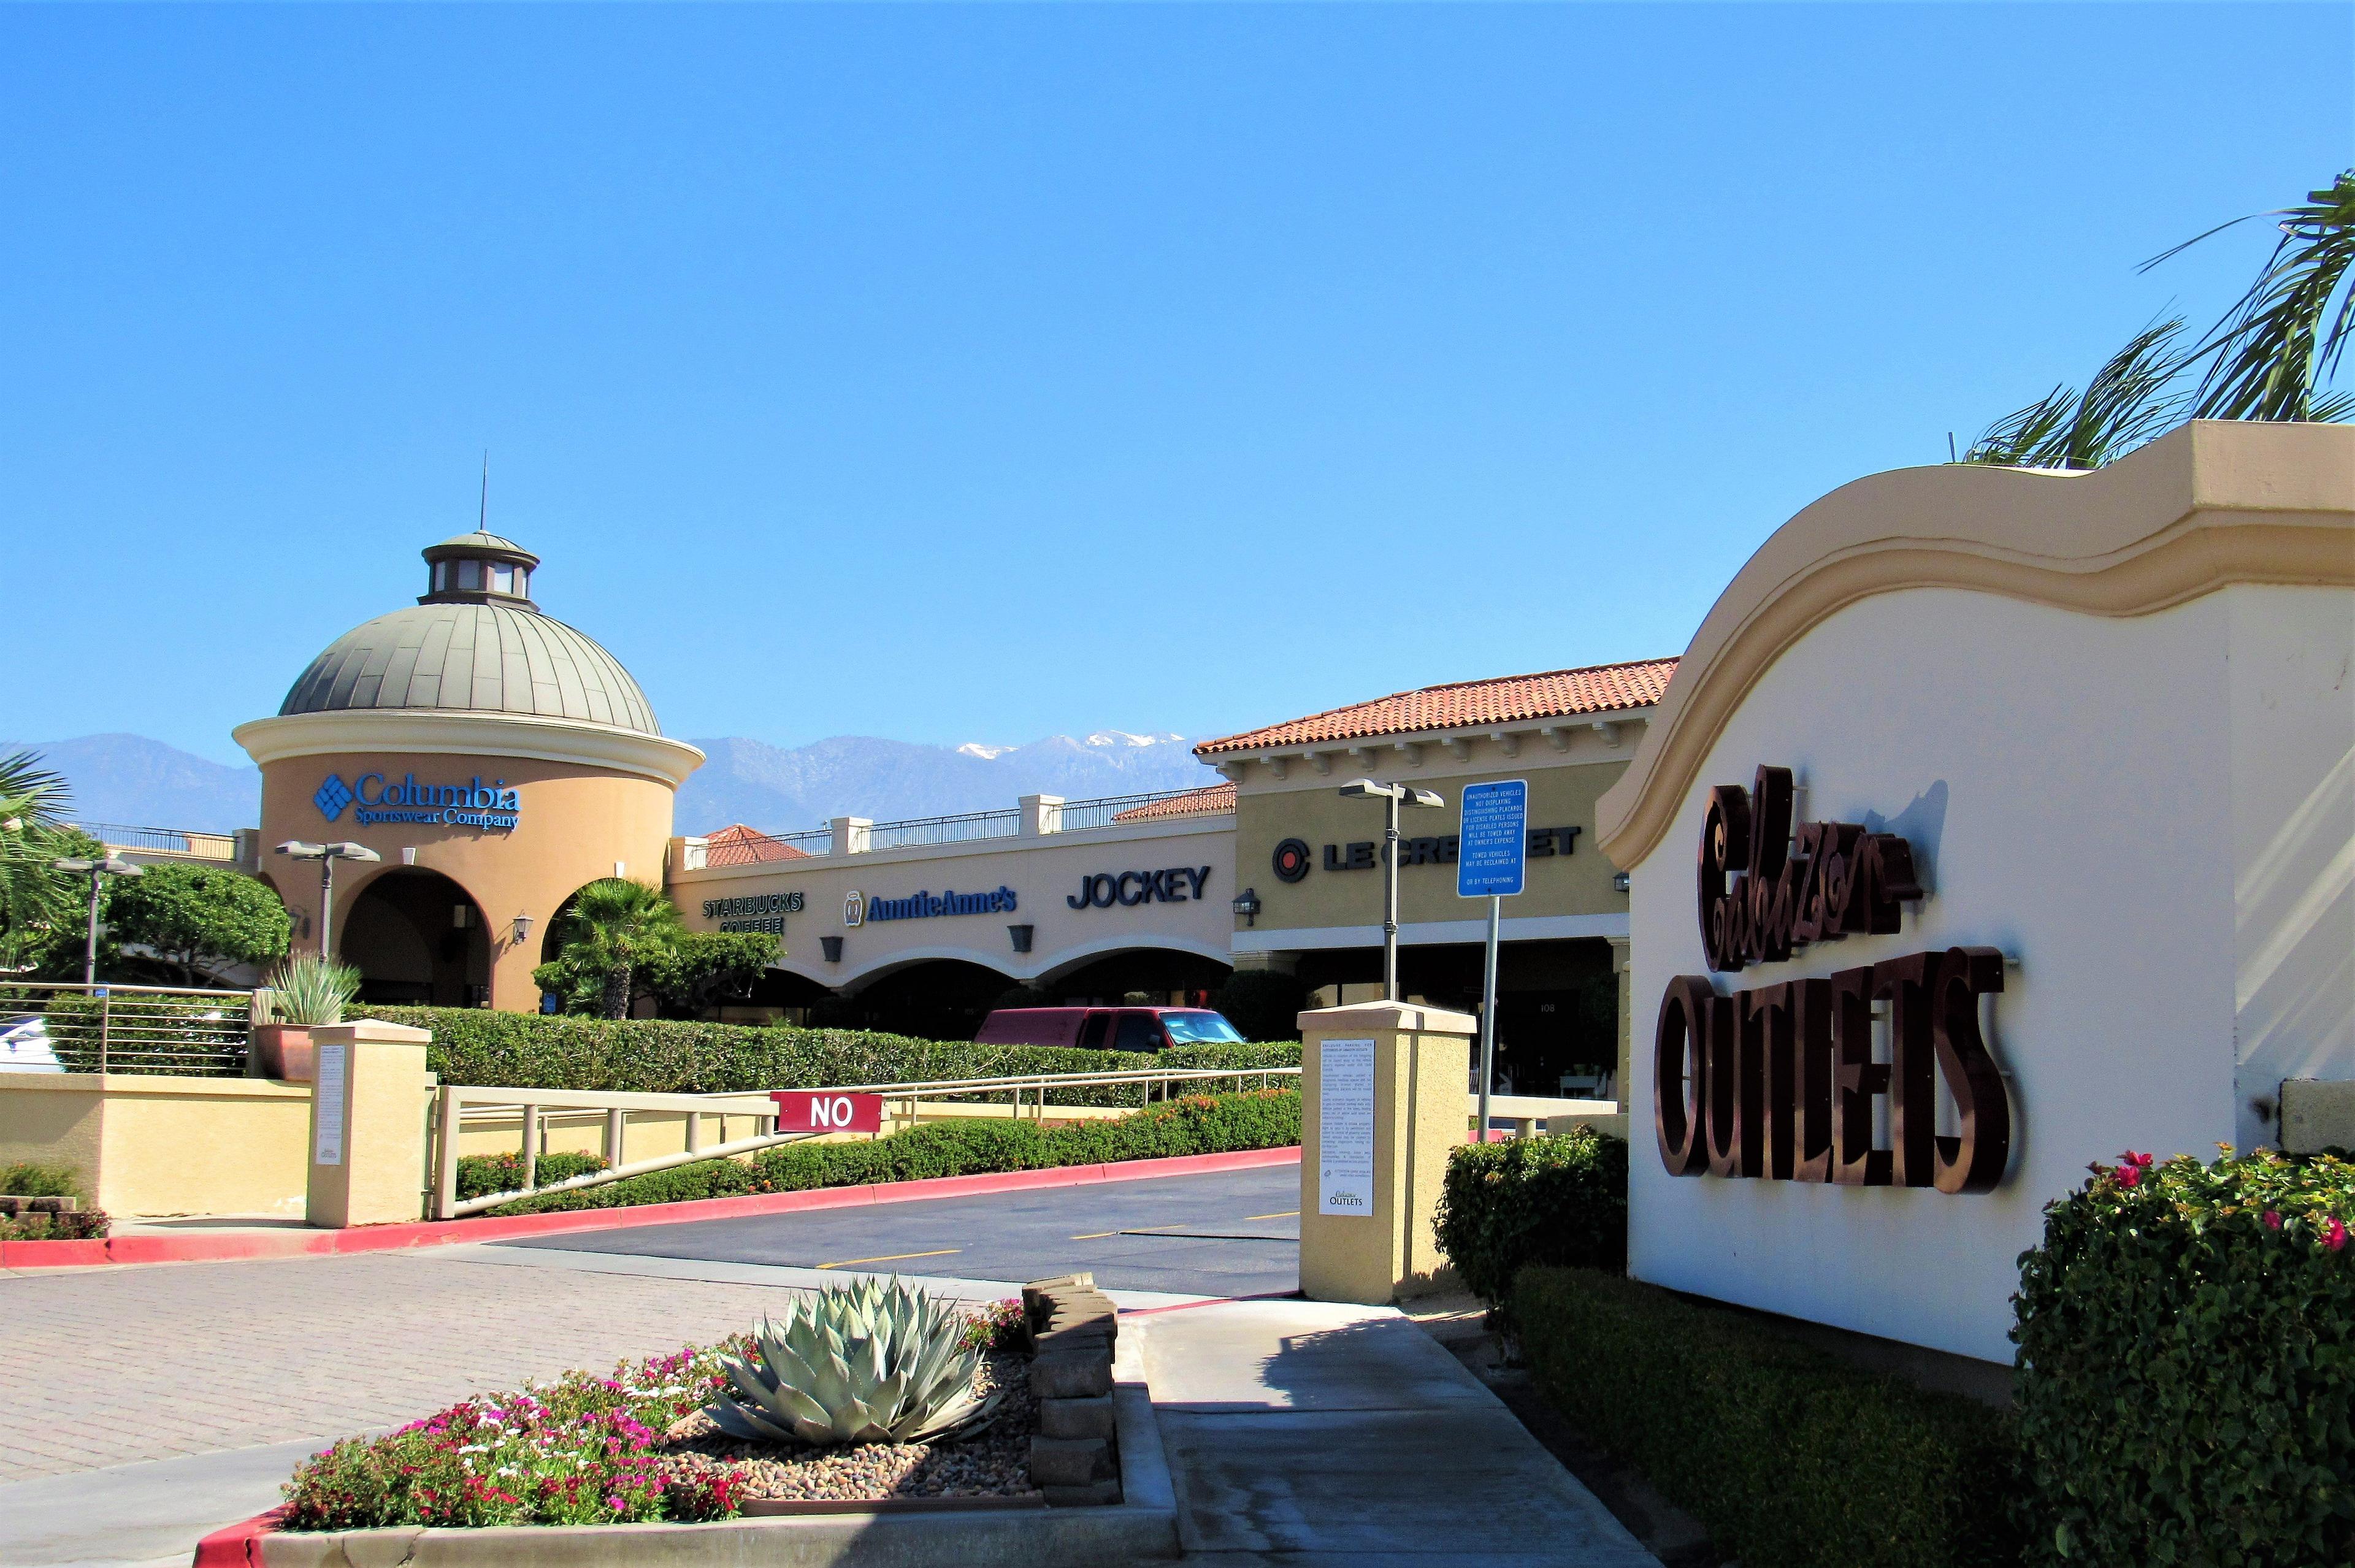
[[832, 947], [1247, 906], [1021, 935], [522, 923]]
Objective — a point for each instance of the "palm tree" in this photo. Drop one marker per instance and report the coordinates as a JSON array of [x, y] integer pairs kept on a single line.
[[33, 833], [613, 927], [2273, 351], [2129, 401]]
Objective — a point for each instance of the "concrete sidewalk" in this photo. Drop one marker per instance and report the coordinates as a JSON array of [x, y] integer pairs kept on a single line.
[[1338, 1435]]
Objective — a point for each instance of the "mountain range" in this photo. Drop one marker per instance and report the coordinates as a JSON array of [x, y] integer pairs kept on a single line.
[[132, 780]]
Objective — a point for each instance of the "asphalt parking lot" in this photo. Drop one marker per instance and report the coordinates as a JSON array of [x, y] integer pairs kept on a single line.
[[1234, 1233]]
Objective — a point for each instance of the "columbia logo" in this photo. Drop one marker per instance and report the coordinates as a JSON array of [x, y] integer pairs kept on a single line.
[[333, 796]]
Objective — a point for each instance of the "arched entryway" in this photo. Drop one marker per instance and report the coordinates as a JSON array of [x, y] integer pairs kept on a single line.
[[934, 998], [1162, 976], [417, 938]]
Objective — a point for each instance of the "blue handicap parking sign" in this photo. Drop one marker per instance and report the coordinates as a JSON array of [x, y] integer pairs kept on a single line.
[[1492, 845]]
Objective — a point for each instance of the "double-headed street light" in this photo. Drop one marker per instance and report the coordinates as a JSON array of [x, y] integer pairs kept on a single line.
[[1367, 789], [327, 854], [107, 866]]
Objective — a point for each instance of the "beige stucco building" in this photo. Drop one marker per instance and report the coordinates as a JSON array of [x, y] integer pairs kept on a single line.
[[495, 759]]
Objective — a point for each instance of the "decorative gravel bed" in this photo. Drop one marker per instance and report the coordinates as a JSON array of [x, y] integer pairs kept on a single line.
[[992, 1463]]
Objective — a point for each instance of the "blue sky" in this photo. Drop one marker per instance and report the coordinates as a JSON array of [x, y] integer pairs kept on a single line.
[[980, 373]]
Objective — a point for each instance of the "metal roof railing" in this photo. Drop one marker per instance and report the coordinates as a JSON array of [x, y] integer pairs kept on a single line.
[[963, 827], [1106, 811], [194, 843]]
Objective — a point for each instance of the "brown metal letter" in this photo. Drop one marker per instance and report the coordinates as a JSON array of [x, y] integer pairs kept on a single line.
[[1810, 1119], [1857, 1080], [1913, 1066], [1681, 1096], [1973, 1162], [1724, 847], [1767, 1047]]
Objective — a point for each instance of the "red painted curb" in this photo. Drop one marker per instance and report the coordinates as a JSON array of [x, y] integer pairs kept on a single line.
[[237, 1545], [235, 1247]]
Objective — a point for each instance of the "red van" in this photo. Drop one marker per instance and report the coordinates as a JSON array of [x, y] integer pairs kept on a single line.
[[1107, 1029]]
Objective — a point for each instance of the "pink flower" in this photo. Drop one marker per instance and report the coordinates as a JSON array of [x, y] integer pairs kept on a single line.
[[2334, 1234], [2129, 1176], [2273, 1221]]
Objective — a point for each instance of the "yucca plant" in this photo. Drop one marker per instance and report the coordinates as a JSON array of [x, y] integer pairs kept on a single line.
[[310, 989], [864, 1362]]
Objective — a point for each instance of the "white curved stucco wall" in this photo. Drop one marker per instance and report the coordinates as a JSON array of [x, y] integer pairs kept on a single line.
[[2154, 815]]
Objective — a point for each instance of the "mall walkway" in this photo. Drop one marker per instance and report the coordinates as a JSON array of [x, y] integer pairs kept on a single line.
[[1336, 1436]]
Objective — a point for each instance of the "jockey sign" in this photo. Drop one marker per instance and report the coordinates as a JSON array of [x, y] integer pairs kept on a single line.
[[824, 1111]]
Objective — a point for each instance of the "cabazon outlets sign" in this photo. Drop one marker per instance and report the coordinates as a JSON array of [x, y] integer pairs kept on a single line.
[[1781, 1081]]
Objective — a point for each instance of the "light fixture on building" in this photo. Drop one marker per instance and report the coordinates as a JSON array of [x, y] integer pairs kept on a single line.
[[522, 923], [1619, 881], [1247, 906], [96, 870], [1021, 935], [832, 947], [1390, 795], [327, 854]]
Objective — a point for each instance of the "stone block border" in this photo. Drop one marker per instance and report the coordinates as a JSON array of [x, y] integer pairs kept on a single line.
[[222, 1246]]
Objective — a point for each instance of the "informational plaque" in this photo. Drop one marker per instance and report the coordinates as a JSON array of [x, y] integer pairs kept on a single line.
[[327, 1096], [1344, 1128]]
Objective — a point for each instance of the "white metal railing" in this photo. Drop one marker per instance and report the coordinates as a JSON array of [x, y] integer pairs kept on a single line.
[[196, 844], [454, 1105], [131, 1028], [964, 827]]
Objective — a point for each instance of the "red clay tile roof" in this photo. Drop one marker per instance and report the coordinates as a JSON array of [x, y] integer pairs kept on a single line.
[[1210, 800], [1506, 699], [743, 846]]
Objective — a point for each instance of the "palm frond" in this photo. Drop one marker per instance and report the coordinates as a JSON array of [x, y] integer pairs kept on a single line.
[[2271, 351], [2134, 396], [32, 794]]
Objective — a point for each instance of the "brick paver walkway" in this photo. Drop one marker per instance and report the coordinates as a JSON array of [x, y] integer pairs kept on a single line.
[[109, 1366]]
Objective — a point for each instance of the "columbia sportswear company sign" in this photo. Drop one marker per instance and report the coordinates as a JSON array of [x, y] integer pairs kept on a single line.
[[374, 798], [1782, 1080]]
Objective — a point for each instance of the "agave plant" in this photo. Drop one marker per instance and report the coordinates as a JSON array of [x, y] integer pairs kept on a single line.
[[310, 989], [863, 1363]]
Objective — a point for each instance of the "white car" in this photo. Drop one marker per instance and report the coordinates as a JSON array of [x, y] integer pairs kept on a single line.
[[24, 1046]]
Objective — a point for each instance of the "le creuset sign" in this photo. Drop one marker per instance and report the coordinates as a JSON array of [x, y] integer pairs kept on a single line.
[[1293, 859], [373, 799], [1780, 1081]]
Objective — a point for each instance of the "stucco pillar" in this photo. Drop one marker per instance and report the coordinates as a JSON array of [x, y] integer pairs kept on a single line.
[[1382, 1102], [367, 1125], [1041, 814], [850, 834], [1625, 974]]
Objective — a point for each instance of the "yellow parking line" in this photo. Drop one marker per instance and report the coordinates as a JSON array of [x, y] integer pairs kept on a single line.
[[1095, 1235], [1287, 1214], [891, 1258]]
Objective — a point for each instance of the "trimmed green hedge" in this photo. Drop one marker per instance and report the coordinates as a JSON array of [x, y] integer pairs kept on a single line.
[[1194, 1123], [1560, 1200], [2187, 1352], [480, 1174], [665, 1056], [1792, 1459]]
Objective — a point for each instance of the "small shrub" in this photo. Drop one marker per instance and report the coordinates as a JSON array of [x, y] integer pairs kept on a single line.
[[1194, 1123], [1792, 1459], [480, 1174], [30, 1181], [2187, 1355], [996, 1325], [1558, 1201], [83, 1225]]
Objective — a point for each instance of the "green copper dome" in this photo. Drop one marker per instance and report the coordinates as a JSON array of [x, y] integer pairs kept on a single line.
[[474, 643]]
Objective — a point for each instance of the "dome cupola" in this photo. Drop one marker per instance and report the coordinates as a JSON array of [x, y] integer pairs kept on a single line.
[[473, 642], [478, 568]]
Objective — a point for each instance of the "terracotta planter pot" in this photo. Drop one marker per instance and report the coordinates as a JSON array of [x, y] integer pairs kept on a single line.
[[283, 1051]]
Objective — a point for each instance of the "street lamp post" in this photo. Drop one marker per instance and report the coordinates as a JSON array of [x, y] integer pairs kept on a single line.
[[327, 854], [107, 866], [1391, 795]]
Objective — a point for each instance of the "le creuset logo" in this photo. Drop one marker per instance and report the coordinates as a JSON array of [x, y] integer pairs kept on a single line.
[[377, 800]]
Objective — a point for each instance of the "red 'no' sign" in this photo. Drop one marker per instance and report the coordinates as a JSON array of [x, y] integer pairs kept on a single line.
[[824, 1111]]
